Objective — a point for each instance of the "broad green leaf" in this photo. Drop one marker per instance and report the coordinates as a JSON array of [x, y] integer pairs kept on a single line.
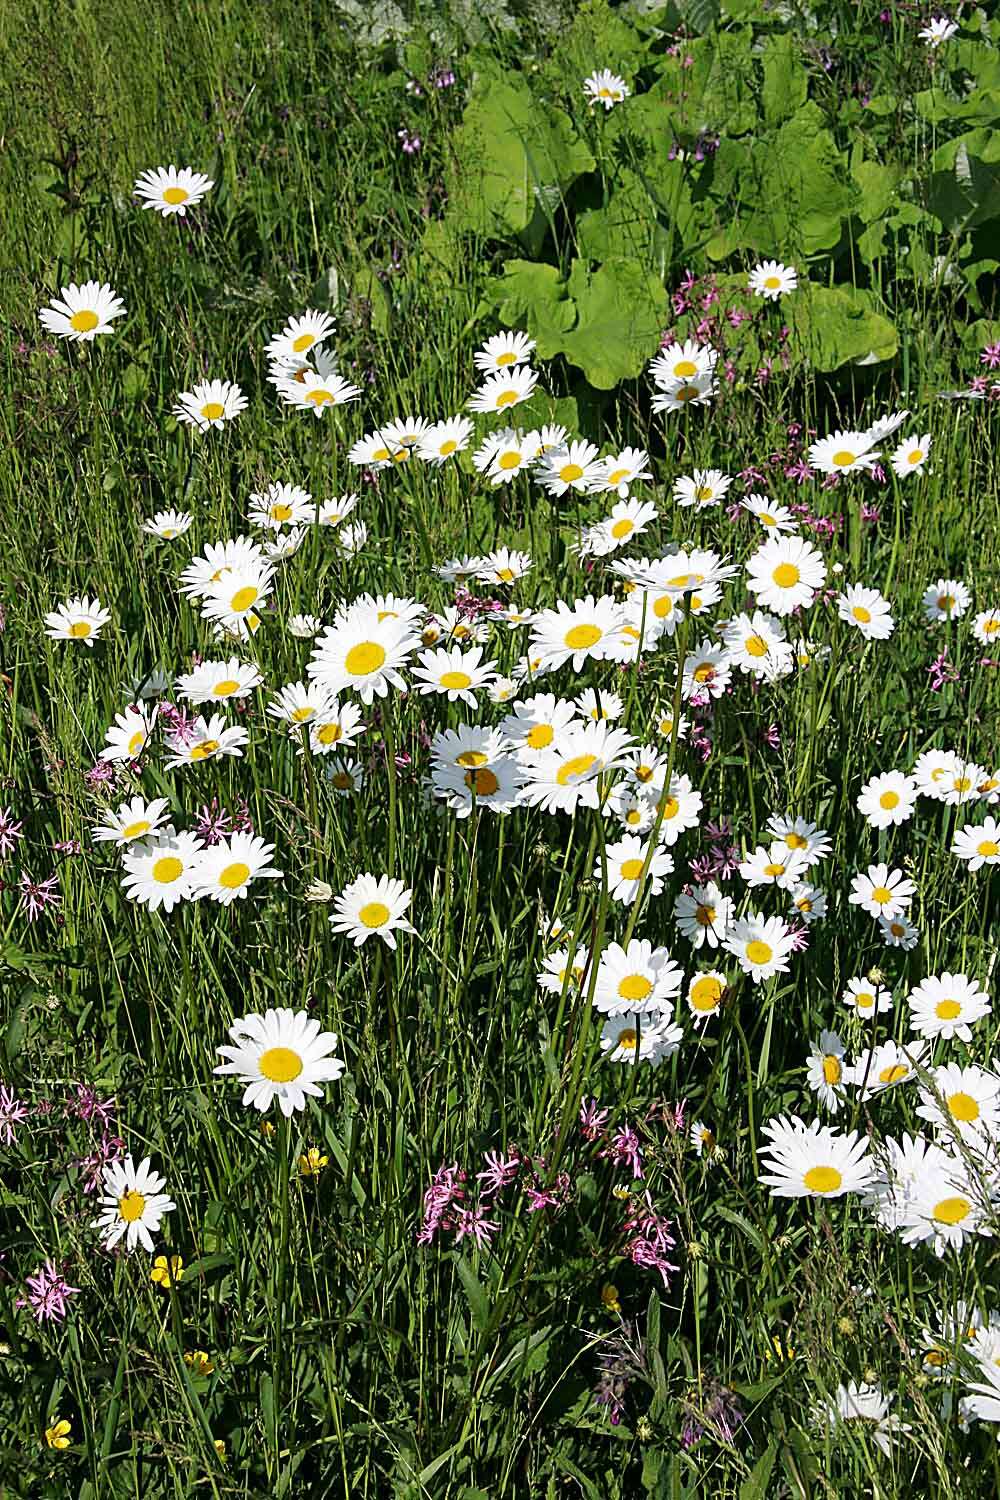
[[755, 1488], [532, 295], [786, 82], [621, 312], [626, 229], [832, 326]]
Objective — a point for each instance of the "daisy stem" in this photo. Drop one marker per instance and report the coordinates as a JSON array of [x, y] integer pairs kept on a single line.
[[446, 935], [390, 762], [284, 1214], [751, 1125]]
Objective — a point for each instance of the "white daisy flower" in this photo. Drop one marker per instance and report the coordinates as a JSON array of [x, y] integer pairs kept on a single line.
[[978, 844], [83, 313], [129, 735], [282, 1055], [826, 1073], [986, 627], [635, 1039], [677, 363], [866, 997], [501, 350], [897, 932], [299, 336], [161, 870], [135, 819], [786, 573], [454, 673], [625, 861], [706, 993], [573, 467], [761, 945], [573, 632], [808, 902], [363, 653], [569, 773], [887, 800], [503, 390], [315, 392], [636, 979], [702, 489], [948, 599], [618, 471], [496, 786], [605, 87], [225, 872], [168, 524], [884, 1067], [844, 453], [132, 1204], [79, 619], [881, 892], [866, 1404], [867, 611], [697, 391], [211, 404], [372, 907], [206, 739], [444, 439], [911, 455], [960, 1099], [171, 190], [281, 505], [813, 1161], [772, 280], [304, 627], [218, 681], [703, 915], [776, 518], [947, 1005], [332, 512], [940, 29]]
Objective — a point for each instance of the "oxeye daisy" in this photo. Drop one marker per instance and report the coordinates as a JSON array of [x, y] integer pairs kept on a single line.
[[677, 363], [568, 774], [808, 902], [501, 350], [887, 800], [315, 392], [978, 845], [881, 892], [443, 440], [132, 1204], [628, 519], [703, 915], [282, 1055], [171, 190], [897, 932], [281, 505], [503, 566], [932, 771], [785, 574], [813, 1161], [304, 627], [572, 467], [867, 611], [706, 993], [454, 673], [496, 786], [225, 872], [128, 736], [773, 865], [635, 1039], [469, 747], [505, 389], [299, 336], [237, 594], [636, 979], [680, 806], [345, 776], [296, 704], [625, 861], [960, 1099], [372, 907], [866, 997], [911, 455], [702, 489], [761, 945], [867, 1405], [944, 1209], [206, 739], [218, 681], [620, 470], [135, 819], [363, 653], [574, 632], [168, 524], [605, 87], [599, 705], [203, 572], [771, 280], [756, 644], [160, 870], [79, 619], [938, 30], [563, 969], [83, 313], [505, 458], [776, 518], [332, 512], [799, 835], [947, 1005], [886, 1066], [986, 627], [697, 391], [210, 404], [948, 599], [537, 723], [844, 453], [826, 1073], [707, 671], [352, 537]]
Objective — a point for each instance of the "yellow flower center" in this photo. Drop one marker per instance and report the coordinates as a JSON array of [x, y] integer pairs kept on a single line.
[[472, 758], [167, 869], [889, 800], [774, 872], [947, 1010], [626, 1039], [963, 1107], [342, 781], [205, 750], [84, 320], [226, 687], [687, 393], [952, 1210], [622, 528], [212, 411], [243, 598], [915, 455], [175, 195], [772, 283], [482, 781], [894, 1073], [506, 398], [131, 1206], [137, 741], [319, 396], [509, 460], [508, 358], [80, 629], [704, 673], [580, 637], [328, 734], [671, 807], [786, 575], [505, 575], [303, 342], [988, 849], [684, 369], [364, 658], [756, 646], [455, 681], [881, 894], [280, 1064], [373, 914], [706, 993], [862, 615], [796, 841], [703, 492], [759, 953], [617, 476], [832, 1069], [135, 829], [843, 459], [635, 987], [631, 869], [281, 512], [233, 876], [705, 916], [301, 714], [663, 607], [822, 1179], [864, 1000], [570, 472], [577, 765]]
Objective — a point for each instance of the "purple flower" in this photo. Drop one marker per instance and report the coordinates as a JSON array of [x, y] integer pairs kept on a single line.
[[623, 1358], [410, 143], [101, 774], [37, 895], [88, 1107], [444, 1193], [990, 356], [624, 1150], [108, 1149], [648, 1241], [10, 831], [47, 1294], [720, 1414], [592, 1119], [941, 670], [13, 1112], [500, 1171], [472, 1221], [68, 846]]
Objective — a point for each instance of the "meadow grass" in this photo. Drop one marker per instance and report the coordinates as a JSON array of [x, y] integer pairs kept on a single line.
[[342, 1358]]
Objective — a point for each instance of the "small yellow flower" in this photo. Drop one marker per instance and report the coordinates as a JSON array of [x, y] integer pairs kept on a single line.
[[57, 1436], [609, 1296], [220, 1449], [166, 1273], [779, 1350], [845, 1327], [267, 1129], [311, 1163], [621, 1193], [198, 1362]]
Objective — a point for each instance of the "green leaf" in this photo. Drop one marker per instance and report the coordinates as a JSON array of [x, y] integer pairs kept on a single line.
[[755, 1488], [786, 82], [475, 1293], [700, 15], [621, 312], [626, 229], [832, 326], [511, 149], [533, 295]]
